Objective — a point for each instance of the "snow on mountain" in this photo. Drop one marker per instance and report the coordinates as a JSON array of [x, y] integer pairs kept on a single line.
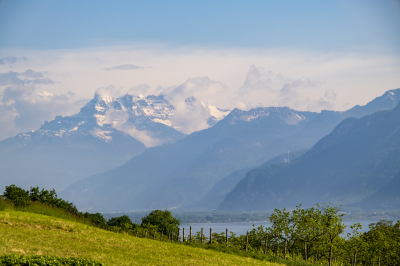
[[153, 120]]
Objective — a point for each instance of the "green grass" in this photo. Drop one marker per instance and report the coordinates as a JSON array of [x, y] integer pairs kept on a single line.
[[258, 256], [37, 260], [26, 233]]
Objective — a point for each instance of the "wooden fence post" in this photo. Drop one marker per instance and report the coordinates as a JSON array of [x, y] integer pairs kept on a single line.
[[190, 234], [179, 235], [145, 234], [154, 236], [247, 239], [183, 234], [226, 235], [266, 245], [201, 235], [210, 236]]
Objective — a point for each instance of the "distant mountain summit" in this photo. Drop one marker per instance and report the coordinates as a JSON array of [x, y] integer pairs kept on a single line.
[[152, 120], [146, 119], [182, 173]]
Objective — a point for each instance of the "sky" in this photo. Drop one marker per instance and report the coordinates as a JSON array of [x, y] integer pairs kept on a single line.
[[308, 55]]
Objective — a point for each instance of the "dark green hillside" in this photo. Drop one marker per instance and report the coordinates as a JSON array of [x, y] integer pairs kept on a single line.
[[359, 157], [386, 198], [219, 191]]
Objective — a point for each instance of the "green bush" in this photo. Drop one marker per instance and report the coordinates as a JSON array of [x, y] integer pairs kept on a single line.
[[11, 260], [163, 220], [17, 195]]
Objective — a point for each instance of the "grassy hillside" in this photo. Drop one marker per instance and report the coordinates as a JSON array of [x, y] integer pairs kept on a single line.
[[31, 233]]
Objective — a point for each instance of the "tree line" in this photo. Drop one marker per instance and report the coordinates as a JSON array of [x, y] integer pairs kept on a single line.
[[311, 234], [154, 223], [315, 235]]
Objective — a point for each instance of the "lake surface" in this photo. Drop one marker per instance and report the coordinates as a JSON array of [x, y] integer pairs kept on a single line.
[[241, 228]]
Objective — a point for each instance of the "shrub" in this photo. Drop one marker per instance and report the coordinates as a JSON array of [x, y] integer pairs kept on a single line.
[[17, 195], [11, 260]]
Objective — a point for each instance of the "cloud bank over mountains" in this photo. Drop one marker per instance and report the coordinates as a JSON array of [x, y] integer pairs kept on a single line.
[[25, 105], [60, 82]]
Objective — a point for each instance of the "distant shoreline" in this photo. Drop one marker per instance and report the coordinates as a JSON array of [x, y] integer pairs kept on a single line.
[[235, 217]]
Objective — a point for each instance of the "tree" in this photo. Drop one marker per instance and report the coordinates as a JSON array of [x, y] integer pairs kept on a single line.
[[353, 243], [332, 226], [309, 226], [383, 241], [284, 227], [162, 219], [96, 218], [124, 222], [17, 195]]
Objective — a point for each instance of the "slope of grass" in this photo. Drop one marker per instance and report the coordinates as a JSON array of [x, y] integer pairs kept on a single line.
[[35, 234]]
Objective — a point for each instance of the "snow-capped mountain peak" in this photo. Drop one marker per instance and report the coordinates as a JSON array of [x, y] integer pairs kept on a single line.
[[153, 120]]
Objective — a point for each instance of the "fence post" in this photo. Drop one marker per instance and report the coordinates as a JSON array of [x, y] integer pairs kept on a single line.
[[154, 236], [183, 234], [266, 245], [172, 235], [210, 236], [201, 235], [226, 236], [247, 239], [179, 235], [145, 234], [190, 234]]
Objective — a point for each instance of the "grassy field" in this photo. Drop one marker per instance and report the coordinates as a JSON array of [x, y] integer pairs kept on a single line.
[[31, 233]]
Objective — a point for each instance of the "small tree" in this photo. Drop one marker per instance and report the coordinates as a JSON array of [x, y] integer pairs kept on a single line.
[[332, 226], [17, 195], [96, 218], [162, 219], [123, 222]]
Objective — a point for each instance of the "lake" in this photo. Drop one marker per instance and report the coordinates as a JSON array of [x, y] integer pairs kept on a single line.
[[240, 228]]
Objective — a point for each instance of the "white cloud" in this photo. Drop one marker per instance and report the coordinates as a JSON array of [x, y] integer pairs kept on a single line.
[[24, 106], [123, 67], [107, 93], [10, 61], [226, 78]]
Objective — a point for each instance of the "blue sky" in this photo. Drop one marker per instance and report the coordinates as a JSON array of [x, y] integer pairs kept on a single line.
[[322, 25], [307, 55]]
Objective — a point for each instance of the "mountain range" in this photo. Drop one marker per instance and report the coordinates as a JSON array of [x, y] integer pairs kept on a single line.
[[180, 174], [107, 132], [357, 165]]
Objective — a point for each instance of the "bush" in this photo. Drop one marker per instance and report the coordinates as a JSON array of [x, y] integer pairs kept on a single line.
[[11, 260], [123, 222], [17, 195], [162, 219], [96, 218]]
